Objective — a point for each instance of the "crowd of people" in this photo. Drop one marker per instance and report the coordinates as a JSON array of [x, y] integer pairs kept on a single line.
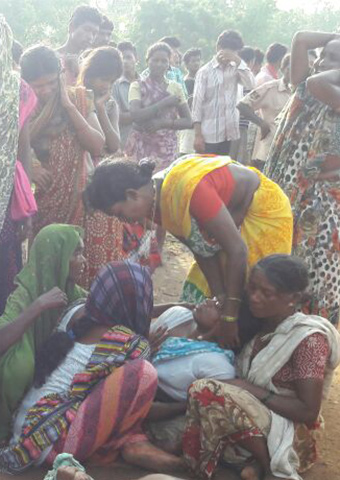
[[239, 159]]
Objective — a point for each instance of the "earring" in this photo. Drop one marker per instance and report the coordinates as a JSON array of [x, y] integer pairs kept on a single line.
[[291, 304]]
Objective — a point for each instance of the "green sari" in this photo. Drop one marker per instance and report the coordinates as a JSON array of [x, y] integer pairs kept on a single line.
[[47, 267]]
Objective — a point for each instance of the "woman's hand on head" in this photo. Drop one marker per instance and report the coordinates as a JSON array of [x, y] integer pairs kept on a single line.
[[54, 298], [207, 313], [157, 338]]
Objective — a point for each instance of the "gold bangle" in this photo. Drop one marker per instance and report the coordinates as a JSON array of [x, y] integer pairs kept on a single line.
[[234, 299], [229, 319]]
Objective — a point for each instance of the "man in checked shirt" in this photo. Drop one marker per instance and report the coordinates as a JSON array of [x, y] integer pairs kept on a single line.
[[214, 112]]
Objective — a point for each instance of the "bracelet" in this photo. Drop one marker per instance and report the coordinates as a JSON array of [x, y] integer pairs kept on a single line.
[[234, 299], [228, 319], [267, 397]]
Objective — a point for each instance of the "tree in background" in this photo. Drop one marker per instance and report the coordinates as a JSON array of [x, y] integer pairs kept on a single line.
[[198, 23]]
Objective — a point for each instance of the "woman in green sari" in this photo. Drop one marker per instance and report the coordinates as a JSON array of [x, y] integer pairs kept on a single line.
[[47, 283]]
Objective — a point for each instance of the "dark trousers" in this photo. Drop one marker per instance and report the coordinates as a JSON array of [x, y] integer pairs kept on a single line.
[[222, 148]]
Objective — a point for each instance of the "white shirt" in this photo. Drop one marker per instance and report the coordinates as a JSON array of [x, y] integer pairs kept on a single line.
[[59, 382], [177, 374]]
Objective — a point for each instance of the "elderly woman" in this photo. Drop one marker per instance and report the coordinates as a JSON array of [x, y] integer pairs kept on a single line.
[[271, 413]]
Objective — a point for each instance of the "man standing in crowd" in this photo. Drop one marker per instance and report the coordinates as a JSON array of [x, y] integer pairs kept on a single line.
[[214, 112], [270, 71], [83, 29], [122, 86], [192, 60], [103, 37]]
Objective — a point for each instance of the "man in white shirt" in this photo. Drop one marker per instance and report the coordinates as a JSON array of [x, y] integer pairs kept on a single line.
[[214, 112]]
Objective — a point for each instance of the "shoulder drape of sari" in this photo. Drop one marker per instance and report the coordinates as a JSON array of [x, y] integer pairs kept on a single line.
[[50, 418], [179, 183], [162, 144], [47, 267], [67, 162]]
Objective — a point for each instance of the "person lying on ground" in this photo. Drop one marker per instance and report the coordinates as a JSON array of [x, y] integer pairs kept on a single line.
[[93, 383], [229, 216]]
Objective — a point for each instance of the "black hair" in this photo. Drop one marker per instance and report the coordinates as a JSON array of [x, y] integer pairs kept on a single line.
[[276, 52], [285, 61], [173, 42], [247, 54], [56, 347], [288, 274], [259, 56], [100, 63], [112, 178], [230, 39], [17, 50], [192, 52], [37, 62], [83, 14], [127, 47], [106, 24], [156, 47]]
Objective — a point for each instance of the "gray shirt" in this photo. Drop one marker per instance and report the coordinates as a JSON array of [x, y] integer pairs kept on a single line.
[[121, 95]]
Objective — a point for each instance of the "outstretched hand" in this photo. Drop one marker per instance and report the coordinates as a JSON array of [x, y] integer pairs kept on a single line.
[[157, 338]]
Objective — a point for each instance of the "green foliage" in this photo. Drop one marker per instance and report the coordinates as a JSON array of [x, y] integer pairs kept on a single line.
[[196, 23], [34, 21]]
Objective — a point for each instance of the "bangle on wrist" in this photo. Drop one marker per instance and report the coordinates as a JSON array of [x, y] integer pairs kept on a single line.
[[267, 397], [228, 319]]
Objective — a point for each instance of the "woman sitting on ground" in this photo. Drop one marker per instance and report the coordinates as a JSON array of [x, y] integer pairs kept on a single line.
[[270, 414], [44, 285], [229, 216], [92, 395]]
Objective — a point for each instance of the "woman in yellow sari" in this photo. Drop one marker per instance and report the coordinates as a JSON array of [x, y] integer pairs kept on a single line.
[[228, 215]]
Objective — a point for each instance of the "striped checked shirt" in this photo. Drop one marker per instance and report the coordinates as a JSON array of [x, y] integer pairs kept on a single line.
[[215, 99]]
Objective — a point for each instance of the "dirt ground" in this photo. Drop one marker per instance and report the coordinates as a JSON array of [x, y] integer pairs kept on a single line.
[[168, 281]]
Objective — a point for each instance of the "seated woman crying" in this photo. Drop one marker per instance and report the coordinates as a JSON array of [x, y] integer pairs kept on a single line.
[[93, 384], [264, 422]]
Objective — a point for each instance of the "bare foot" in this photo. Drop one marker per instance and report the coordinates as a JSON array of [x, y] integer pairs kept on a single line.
[[252, 472], [71, 473], [146, 455]]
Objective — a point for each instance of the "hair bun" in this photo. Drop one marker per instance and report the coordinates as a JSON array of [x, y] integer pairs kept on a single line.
[[146, 167]]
